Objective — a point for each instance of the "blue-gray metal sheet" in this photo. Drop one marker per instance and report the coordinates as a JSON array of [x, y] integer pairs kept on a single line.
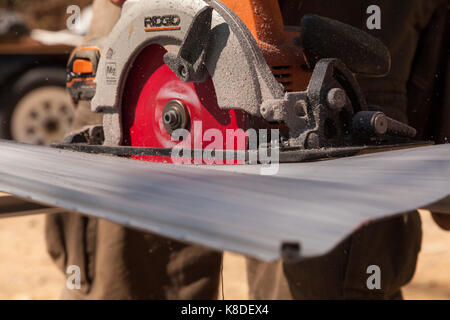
[[232, 207]]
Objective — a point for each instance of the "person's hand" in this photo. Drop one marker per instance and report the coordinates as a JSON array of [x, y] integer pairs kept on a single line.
[[118, 2]]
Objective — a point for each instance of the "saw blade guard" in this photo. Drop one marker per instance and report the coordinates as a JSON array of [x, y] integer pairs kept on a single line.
[[239, 74]]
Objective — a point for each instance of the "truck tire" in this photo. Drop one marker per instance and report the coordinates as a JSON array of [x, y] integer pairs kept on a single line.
[[37, 109]]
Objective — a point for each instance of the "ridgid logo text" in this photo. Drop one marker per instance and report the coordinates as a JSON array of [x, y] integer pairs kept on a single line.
[[162, 23]]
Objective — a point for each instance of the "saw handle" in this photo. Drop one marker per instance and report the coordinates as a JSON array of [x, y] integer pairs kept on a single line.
[[323, 38]]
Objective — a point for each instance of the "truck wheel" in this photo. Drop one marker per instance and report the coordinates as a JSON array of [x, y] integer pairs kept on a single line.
[[39, 109]]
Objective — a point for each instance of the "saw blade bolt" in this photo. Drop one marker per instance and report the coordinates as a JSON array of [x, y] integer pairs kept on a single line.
[[171, 118], [175, 116]]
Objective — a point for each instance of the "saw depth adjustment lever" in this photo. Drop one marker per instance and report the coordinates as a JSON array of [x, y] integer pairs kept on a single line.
[[189, 64]]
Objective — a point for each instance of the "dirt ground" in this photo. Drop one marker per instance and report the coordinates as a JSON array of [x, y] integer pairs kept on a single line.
[[28, 273]]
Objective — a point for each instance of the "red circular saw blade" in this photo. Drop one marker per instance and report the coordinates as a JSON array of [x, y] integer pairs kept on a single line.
[[149, 86]]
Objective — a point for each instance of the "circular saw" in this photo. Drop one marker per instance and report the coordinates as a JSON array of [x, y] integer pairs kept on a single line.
[[228, 77]]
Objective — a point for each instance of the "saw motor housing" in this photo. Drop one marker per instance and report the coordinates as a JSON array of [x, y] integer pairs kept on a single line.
[[233, 64]]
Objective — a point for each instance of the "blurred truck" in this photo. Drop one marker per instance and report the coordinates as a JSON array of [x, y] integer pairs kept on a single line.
[[34, 105]]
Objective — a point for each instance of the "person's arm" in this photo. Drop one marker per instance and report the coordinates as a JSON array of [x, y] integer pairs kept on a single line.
[[107, 14], [118, 2]]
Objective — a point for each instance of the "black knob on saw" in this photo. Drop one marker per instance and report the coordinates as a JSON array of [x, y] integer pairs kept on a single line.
[[326, 38], [376, 123]]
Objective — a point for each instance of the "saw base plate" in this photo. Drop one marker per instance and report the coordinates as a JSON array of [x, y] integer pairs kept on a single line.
[[291, 155]]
